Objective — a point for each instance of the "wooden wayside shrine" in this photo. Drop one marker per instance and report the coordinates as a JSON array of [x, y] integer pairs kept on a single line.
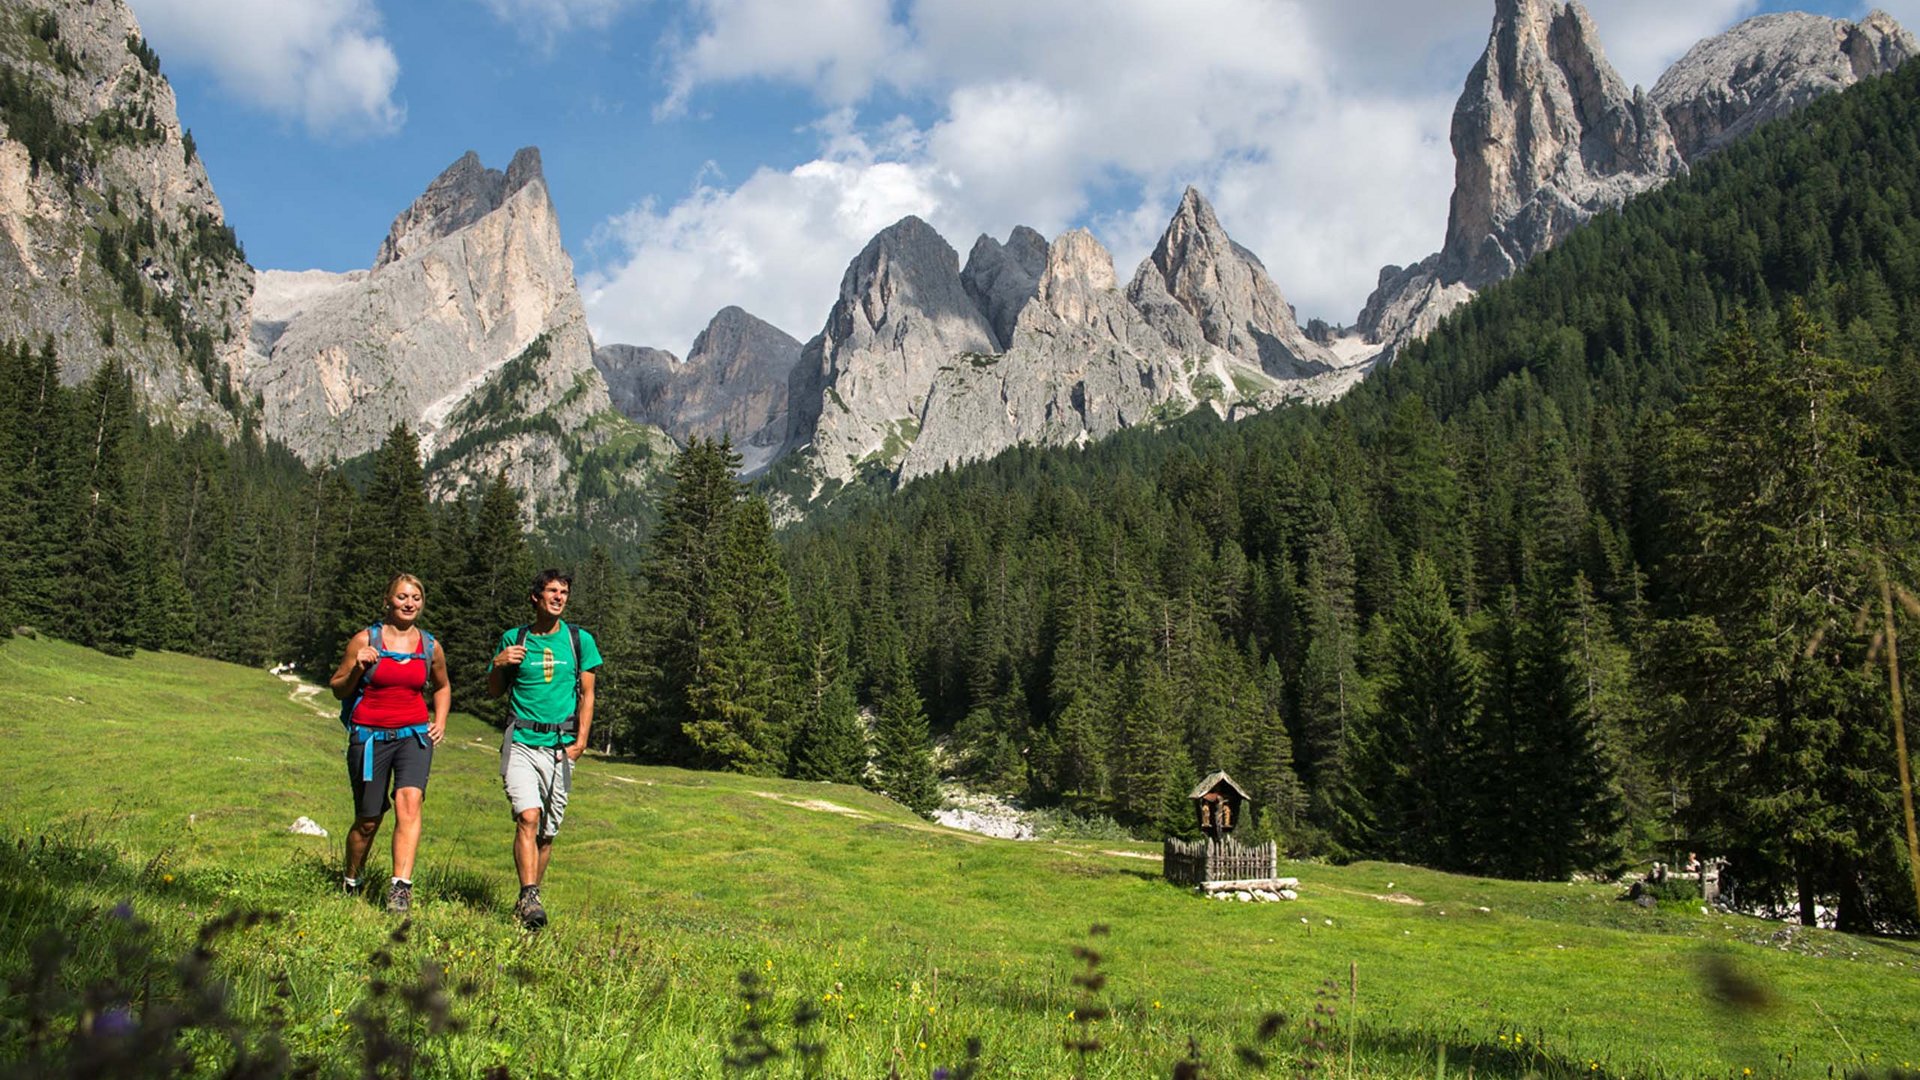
[[1219, 805], [1207, 861]]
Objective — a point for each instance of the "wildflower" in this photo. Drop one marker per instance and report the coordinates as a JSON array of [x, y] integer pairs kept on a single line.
[[115, 1023], [1071, 1012], [1746, 1072], [123, 911], [923, 1046], [931, 1009], [1156, 1004], [167, 878]]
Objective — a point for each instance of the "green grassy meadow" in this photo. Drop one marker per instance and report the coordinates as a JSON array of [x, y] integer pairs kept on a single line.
[[169, 782]]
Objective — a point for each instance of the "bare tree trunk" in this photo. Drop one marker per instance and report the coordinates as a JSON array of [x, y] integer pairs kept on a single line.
[[1803, 882]]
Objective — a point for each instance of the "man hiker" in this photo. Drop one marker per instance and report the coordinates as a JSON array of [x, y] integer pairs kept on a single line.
[[546, 669]]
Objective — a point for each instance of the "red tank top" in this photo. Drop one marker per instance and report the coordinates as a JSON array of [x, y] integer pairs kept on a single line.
[[393, 696]]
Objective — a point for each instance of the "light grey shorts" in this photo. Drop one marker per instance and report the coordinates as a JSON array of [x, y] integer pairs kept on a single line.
[[537, 778]]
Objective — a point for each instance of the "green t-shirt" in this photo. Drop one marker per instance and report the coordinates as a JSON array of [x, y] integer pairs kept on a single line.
[[541, 688]]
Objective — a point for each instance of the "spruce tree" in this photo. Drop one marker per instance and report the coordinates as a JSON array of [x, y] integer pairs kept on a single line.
[[490, 597], [830, 744], [1143, 746], [1419, 772], [101, 581], [1772, 713], [902, 759], [391, 533], [1566, 781]]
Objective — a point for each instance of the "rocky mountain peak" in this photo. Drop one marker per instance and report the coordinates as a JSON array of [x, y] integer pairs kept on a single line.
[[1079, 271], [862, 383], [1545, 135], [1001, 278], [1767, 66], [111, 152], [461, 195], [733, 383], [1225, 289]]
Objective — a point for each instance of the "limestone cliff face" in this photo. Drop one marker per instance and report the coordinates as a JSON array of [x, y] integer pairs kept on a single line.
[[1768, 66], [472, 333], [1223, 288], [1001, 278], [1084, 363], [638, 378], [733, 384], [861, 385], [920, 368], [466, 192], [1545, 136], [112, 241]]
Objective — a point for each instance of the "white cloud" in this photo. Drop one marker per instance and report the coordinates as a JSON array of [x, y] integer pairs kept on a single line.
[[1643, 37], [777, 245], [546, 21], [840, 49], [323, 62], [1319, 130]]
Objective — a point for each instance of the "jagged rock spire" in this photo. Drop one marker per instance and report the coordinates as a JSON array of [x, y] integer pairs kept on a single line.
[[461, 195], [1545, 135]]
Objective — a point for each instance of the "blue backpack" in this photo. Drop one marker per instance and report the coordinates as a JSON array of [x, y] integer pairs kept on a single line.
[[359, 735]]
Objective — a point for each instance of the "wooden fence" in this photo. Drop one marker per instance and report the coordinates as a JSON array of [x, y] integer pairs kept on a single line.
[[1226, 859]]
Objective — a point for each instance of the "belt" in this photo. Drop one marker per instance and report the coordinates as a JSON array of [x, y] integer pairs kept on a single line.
[[362, 734]]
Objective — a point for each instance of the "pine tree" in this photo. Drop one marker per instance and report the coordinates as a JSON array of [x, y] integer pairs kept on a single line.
[[902, 762], [1773, 715], [489, 594], [101, 582], [1143, 745], [830, 745], [392, 533], [1566, 780], [1332, 696], [1420, 760], [1268, 754], [34, 537]]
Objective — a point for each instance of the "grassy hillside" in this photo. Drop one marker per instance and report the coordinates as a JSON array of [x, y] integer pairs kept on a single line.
[[169, 782]]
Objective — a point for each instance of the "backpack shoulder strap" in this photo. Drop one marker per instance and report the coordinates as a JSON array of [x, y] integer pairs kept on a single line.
[[573, 635], [520, 634], [360, 688]]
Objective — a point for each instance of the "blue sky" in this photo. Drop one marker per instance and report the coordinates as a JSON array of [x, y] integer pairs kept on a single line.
[[709, 152]]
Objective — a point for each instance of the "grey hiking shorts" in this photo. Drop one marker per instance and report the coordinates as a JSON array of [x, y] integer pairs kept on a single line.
[[536, 778]]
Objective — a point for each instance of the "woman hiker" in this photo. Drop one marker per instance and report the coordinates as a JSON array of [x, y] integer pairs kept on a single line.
[[389, 673]]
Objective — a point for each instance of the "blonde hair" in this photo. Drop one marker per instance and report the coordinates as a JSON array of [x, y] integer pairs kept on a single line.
[[406, 579]]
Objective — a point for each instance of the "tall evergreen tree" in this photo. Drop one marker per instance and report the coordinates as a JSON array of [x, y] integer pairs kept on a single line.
[[1772, 713], [1566, 781], [830, 744], [902, 760], [392, 533], [101, 583], [1419, 766], [489, 596]]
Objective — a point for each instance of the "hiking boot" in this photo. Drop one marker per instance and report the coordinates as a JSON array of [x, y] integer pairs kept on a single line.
[[400, 897], [528, 910]]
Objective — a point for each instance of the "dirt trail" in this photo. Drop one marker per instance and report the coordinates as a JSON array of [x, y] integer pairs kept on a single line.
[[305, 693]]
